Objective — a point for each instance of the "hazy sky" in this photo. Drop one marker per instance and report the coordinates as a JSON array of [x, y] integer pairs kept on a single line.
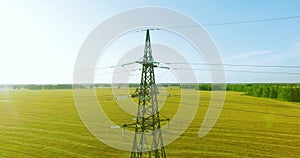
[[39, 40]]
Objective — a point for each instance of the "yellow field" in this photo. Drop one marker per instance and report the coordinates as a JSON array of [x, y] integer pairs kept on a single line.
[[45, 123]]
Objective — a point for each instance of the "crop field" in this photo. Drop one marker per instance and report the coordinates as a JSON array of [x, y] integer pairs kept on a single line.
[[45, 123]]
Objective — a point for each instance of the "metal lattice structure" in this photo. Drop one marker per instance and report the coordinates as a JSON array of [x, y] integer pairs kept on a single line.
[[148, 140]]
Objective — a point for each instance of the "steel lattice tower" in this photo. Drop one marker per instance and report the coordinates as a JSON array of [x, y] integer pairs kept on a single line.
[[148, 140]]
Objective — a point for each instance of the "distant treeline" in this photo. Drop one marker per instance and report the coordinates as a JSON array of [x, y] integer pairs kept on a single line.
[[53, 86], [39, 86], [288, 92], [209, 87], [282, 91]]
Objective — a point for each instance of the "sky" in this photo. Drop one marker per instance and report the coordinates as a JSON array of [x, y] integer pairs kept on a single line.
[[40, 40]]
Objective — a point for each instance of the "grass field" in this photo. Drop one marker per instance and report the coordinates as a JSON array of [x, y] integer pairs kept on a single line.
[[45, 123]]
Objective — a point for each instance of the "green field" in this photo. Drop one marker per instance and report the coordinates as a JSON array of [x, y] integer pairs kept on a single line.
[[45, 123]]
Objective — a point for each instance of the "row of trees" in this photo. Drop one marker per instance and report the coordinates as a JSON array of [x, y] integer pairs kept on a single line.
[[39, 87], [289, 92], [56, 86], [209, 87]]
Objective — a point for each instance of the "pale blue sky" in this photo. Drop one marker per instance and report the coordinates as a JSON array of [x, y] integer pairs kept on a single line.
[[39, 40]]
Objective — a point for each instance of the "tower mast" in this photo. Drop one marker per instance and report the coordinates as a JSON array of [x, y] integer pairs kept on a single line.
[[148, 140]]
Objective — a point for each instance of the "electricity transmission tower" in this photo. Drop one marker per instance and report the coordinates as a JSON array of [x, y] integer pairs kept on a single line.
[[147, 140]]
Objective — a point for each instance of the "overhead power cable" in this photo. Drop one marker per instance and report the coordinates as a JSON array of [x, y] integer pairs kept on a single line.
[[239, 65], [239, 22], [253, 21], [244, 71]]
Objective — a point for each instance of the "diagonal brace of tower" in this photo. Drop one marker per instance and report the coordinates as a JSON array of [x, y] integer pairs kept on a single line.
[[148, 140]]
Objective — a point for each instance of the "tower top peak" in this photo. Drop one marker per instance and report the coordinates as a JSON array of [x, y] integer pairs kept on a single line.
[[147, 50]]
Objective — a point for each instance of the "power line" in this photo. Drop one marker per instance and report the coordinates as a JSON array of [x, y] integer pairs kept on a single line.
[[106, 73], [198, 69], [232, 65], [165, 72], [239, 22], [243, 71], [239, 65], [114, 66], [225, 70], [105, 67], [217, 24], [253, 21]]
